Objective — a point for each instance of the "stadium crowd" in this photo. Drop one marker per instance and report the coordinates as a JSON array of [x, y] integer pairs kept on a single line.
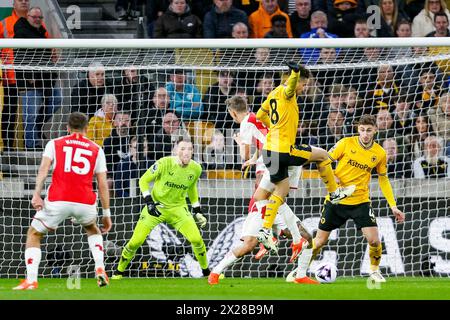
[[137, 120]]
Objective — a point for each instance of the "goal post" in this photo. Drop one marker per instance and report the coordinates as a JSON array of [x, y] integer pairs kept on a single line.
[[166, 89]]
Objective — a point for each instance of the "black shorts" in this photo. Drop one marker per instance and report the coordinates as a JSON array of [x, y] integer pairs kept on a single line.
[[278, 162], [335, 215]]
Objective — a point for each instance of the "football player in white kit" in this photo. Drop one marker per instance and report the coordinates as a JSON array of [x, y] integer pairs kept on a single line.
[[286, 223]]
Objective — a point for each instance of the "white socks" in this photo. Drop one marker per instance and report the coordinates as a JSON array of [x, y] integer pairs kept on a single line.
[[290, 219], [303, 262], [96, 246], [229, 259], [32, 261]]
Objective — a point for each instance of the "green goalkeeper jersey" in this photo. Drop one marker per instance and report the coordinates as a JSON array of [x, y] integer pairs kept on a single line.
[[172, 182]]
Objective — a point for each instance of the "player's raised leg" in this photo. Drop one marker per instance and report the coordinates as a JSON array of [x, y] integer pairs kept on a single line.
[[375, 253], [323, 162]]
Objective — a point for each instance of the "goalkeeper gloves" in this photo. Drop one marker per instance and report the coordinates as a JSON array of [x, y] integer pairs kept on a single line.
[[151, 206], [304, 73], [200, 219]]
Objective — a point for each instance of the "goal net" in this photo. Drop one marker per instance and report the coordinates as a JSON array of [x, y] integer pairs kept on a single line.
[[160, 90]]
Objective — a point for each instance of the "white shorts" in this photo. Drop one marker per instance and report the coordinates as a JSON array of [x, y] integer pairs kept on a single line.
[[53, 213], [294, 177]]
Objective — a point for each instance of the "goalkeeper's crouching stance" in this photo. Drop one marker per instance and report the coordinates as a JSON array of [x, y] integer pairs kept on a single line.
[[174, 177]]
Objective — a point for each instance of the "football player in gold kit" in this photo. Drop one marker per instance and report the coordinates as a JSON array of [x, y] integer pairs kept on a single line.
[[357, 156], [280, 113]]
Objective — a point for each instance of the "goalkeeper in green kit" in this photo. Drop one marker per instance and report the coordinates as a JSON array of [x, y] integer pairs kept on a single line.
[[174, 177]]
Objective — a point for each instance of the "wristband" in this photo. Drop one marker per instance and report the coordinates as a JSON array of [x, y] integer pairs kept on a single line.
[[106, 212]]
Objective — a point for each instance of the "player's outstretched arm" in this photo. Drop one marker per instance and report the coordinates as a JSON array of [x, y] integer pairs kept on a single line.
[[103, 192], [44, 168], [386, 189], [297, 70]]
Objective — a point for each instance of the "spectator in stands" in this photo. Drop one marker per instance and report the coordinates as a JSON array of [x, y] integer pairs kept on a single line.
[[214, 157], [215, 109], [263, 87], [385, 91], [133, 91], [363, 78], [250, 6], [336, 97], [310, 97], [178, 22], [185, 98], [440, 25], [150, 120], [351, 110], [278, 29], [240, 31], [423, 23], [390, 16], [161, 144], [260, 20], [306, 134], [126, 169], [327, 76], [403, 117], [403, 29], [333, 131], [343, 18], [101, 124], [116, 145], [40, 96], [427, 95], [361, 29], [385, 125], [319, 23], [440, 120], [87, 94], [248, 78], [301, 18], [154, 9], [432, 164], [11, 93], [327, 56], [398, 165], [421, 130], [219, 21]]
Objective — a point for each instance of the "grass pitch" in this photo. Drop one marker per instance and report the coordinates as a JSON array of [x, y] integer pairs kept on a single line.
[[401, 288]]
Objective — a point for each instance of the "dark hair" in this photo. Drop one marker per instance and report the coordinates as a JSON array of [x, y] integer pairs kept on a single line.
[[77, 121], [361, 21], [402, 21], [278, 17], [367, 119], [440, 14]]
